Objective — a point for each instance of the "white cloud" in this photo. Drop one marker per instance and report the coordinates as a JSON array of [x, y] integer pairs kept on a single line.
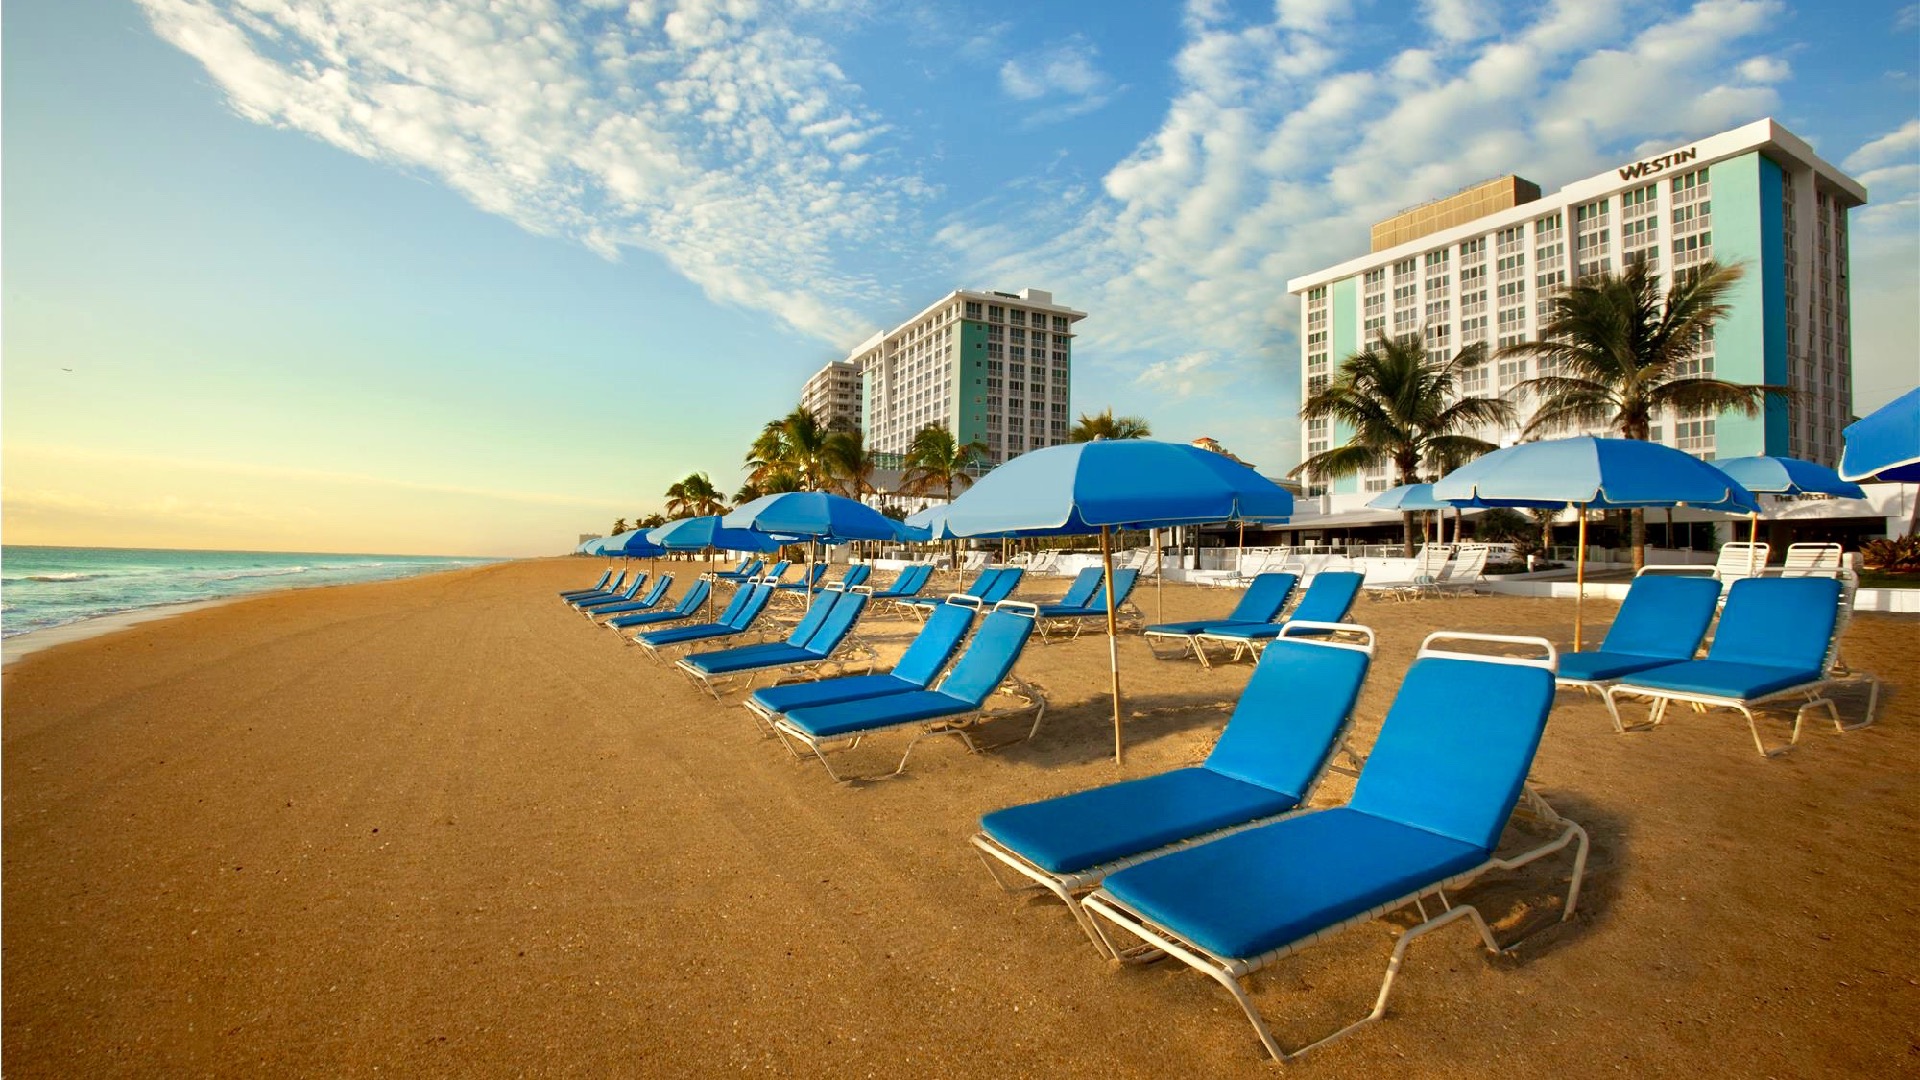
[[1457, 21], [1766, 69], [1066, 77], [1283, 143], [1901, 145], [715, 134]]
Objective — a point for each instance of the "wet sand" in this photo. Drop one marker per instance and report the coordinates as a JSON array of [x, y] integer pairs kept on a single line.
[[443, 826]]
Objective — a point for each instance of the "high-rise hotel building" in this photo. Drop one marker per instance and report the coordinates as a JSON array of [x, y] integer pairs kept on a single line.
[[832, 395], [991, 366], [1481, 266]]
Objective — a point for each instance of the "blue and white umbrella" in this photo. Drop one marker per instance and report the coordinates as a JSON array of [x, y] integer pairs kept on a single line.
[[1884, 445], [1100, 486], [631, 545], [1594, 473], [815, 515], [705, 533]]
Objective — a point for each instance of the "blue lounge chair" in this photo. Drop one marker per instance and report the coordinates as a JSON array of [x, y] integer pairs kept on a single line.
[[645, 603], [598, 586], [1776, 639], [854, 576], [929, 651], [990, 587], [1662, 621], [610, 591], [1079, 591], [615, 597], [1265, 598], [950, 708], [1285, 731], [814, 641], [1055, 618], [909, 583], [807, 580], [1327, 600], [1426, 814], [690, 602], [748, 568], [737, 619]]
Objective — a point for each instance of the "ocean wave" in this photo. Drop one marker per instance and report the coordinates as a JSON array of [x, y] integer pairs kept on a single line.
[[56, 577], [265, 571]]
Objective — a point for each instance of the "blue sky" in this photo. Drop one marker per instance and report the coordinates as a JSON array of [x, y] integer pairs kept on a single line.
[[473, 278]]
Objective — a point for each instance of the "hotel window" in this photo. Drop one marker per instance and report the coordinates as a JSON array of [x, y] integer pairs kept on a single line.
[[1693, 432], [1512, 371], [1474, 329], [1589, 213], [994, 352], [1510, 240], [1550, 282], [1473, 303], [1059, 324], [1017, 317], [1438, 311], [1018, 335], [1316, 383], [1512, 266], [1375, 279], [1437, 260], [1473, 379], [1691, 187], [1059, 357], [1473, 277], [1474, 250], [1549, 255], [996, 313], [1546, 230], [1693, 217], [973, 309], [1405, 268], [1691, 250], [1639, 202], [1511, 293]]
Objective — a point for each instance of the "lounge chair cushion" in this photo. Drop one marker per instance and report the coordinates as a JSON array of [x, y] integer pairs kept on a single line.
[[1778, 622], [1088, 828], [1255, 891], [1603, 666], [747, 658], [1290, 716], [1724, 678], [1662, 617], [872, 714], [780, 699]]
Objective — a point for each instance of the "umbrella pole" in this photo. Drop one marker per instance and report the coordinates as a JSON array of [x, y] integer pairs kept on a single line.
[[1113, 639], [1159, 578], [1579, 577], [1753, 537]]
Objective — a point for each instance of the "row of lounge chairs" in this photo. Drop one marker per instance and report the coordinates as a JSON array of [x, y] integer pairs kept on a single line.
[[1255, 620]]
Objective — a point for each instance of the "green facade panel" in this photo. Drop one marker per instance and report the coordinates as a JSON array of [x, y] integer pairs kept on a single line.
[[1750, 344], [968, 418]]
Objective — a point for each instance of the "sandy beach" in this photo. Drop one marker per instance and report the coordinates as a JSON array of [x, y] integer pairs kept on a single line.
[[444, 826]]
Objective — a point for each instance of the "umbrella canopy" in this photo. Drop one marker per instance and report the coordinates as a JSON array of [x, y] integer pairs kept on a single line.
[[1594, 473], [815, 514], [1764, 475], [697, 533], [1885, 444], [1080, 488], [1103, 485], [1609, 474], [631, 545], [1408, 497]]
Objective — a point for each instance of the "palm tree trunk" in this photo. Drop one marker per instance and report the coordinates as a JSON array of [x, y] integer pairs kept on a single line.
[[1406, 529]]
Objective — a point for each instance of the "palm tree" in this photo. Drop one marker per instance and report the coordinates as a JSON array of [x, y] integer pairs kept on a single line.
[[796, 443], [1616, 354], [695, 496], [1107, 426], [935, 461], [1403, 411], [850, 467], [619, 526]]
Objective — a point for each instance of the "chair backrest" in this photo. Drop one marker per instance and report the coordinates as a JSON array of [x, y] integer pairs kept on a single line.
[[981, 581], [1664, 617], [1456, 745], [856, 574], [973, 560], [934, 645], [911, 580], [734, 606], [660, 585], [1264, 598], [1080, 592], [757, 597], [696, 596], [605, 576], [1431, 559], [1812, 560], [1468, 565], [775, 572], [1330, 596], [839, 622], [1043, 563], [1740, 560], [618, 583], [991, 653], [750, 567], [1123, 583], [1291, 715], [633, 587], [1002, 585], [809, 624], [1779, 622]]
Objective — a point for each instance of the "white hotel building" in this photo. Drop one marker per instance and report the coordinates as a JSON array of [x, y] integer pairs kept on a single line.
[[1480, 266], [991, 366]]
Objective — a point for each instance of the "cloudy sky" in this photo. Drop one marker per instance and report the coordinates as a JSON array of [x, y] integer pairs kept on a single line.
[[477, 276]]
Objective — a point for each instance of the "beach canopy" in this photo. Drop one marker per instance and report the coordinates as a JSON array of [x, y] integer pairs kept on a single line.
[[632, 545], [1408, 497], [1600, 474], [816, 515], [1884, 446], [705, 531], [1594, 473], [1108, 484], [1765, 475], [1081, 488]]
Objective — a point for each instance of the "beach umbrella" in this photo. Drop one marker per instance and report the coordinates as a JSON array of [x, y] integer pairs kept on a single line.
[[1100, 486], [705, 533], [632, 545], [1593, 474], [1884, 445], [815, 515], [1765, 475]]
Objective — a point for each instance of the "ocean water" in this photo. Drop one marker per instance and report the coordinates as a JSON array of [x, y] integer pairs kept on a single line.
[[41, 587]]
